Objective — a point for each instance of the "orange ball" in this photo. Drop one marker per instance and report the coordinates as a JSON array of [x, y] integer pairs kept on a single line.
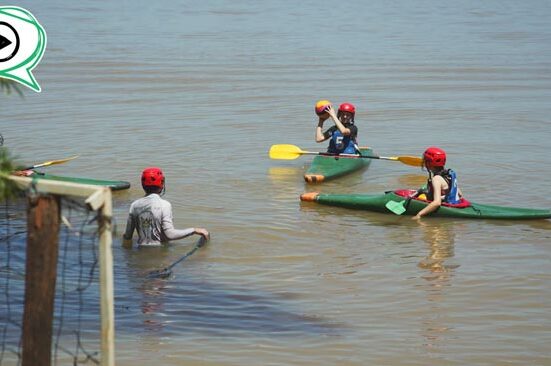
[[321, 107]]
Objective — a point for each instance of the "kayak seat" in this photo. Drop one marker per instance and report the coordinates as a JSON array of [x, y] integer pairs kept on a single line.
[[406, 193]]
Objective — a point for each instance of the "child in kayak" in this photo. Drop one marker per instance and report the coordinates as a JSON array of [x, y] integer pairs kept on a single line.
[[343, 134], [442, 182], [151, 216]]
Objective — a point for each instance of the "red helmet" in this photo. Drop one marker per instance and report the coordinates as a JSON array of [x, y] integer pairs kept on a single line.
[[347, 107], [434, 157], [153, 177]]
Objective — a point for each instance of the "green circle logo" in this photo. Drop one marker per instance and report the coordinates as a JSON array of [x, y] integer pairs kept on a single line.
[[22, 44]]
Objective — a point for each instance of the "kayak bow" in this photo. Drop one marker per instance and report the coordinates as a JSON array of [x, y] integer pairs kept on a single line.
[[325, 167]]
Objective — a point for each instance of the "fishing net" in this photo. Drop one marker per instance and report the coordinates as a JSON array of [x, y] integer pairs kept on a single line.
[[76, 328]]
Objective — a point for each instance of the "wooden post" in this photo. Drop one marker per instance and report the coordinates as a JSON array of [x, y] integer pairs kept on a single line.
[[43, 217], [106, 281]]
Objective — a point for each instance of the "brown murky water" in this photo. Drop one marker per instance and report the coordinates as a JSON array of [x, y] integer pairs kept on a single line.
[[203, 91]]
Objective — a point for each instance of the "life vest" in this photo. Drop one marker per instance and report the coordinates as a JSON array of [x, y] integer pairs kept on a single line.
[[451, 195], [340, 144]]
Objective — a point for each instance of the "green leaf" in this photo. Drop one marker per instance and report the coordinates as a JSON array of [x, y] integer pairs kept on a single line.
[[7, 86], [7, 187]]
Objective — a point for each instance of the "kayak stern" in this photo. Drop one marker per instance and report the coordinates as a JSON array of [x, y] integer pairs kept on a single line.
[[309, 197], [313, 178]]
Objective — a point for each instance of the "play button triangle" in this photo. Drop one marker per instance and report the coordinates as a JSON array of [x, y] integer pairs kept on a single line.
[[4, 42]]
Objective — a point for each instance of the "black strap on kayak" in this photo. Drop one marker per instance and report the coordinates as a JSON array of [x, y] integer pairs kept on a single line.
[[412, 196]]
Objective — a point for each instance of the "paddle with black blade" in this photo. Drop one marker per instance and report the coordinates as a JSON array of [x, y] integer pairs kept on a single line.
[[167, 271], [292, 152]]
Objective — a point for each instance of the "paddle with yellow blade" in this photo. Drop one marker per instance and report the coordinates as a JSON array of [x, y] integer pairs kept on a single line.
[[51, 162], [291, 152]]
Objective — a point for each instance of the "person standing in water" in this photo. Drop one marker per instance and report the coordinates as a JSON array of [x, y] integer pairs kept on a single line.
[[151, 216]]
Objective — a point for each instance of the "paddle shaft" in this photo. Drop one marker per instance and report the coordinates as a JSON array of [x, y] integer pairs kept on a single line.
[[165, 272], [353, 156], [411, 196], [292, 152], [198, 245], [48, 163], [408, 160]]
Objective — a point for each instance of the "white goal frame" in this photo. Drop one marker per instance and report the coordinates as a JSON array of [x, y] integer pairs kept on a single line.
[[97, 198]]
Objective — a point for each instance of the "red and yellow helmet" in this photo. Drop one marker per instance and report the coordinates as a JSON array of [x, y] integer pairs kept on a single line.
[[153, 177], [434, 157]]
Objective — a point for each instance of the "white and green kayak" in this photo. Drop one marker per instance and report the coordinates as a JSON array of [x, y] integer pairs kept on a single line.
[[115, 185]]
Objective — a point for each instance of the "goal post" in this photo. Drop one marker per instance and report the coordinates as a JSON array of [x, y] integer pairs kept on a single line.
[[97, 198]]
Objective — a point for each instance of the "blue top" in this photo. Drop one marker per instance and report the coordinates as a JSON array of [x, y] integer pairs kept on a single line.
[[340, 144], [452, 195]]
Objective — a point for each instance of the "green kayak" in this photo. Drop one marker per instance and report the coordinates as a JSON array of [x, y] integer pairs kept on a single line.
[[325, 167], [466, 209], [115, 185]]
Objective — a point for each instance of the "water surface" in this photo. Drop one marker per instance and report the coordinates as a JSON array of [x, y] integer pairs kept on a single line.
[[204, 89]]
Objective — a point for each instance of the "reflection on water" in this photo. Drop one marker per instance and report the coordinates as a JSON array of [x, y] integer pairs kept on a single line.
[[440, 239], [164, 307], [203, 90], [152, 303], [412, 181], [284, 179], [285, 175]]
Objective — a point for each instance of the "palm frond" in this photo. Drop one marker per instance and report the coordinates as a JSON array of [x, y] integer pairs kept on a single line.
[[8, 86], [7, 166]]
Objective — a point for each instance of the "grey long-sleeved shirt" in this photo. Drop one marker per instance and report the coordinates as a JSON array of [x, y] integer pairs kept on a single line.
[[151, 216]]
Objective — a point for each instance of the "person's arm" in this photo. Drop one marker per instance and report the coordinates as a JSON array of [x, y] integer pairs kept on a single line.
[[320, 136], [344, 130], [437, 182], [174, 234], [127, 236]]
